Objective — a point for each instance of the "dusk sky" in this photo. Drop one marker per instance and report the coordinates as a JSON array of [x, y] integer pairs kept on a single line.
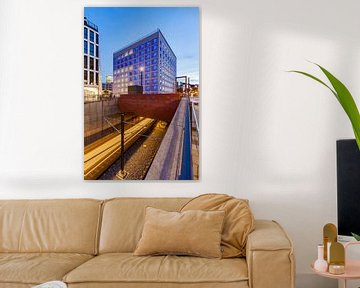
[[120, 26]]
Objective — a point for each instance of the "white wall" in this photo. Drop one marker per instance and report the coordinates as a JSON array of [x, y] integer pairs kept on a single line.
[[267, 135]]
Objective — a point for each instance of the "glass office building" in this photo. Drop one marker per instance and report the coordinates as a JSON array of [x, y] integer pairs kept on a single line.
[[92, 82], [149, 62]]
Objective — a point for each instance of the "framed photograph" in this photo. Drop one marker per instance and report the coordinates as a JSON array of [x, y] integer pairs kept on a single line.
[[141, 93]]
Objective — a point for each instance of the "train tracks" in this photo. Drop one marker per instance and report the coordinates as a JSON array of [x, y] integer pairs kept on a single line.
[[101, 154]]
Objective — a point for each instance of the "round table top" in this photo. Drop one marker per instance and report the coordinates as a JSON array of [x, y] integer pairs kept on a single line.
[[352, 271]]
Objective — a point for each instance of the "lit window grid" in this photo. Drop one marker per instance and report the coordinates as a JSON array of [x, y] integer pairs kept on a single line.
[[87, 43], [159, 69]]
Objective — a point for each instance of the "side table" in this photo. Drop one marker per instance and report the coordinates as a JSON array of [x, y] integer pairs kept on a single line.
[[352, 269]]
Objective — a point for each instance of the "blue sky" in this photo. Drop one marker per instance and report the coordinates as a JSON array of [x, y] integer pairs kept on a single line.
[[120, 26]]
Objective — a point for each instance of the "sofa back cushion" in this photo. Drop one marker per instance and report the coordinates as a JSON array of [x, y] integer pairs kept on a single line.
[[123, 220], [66, 226]]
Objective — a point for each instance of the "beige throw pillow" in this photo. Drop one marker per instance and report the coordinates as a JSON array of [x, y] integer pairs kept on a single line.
[[239, 220], [196, 233]]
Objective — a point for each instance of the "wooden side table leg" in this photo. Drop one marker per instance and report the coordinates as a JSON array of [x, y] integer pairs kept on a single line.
[[344, 286]]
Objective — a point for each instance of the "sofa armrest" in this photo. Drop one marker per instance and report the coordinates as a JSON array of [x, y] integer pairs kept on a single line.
[[269, 256]]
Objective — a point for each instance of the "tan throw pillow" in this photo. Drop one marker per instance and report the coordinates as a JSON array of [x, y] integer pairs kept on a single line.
[[196, 233], [239, 220]]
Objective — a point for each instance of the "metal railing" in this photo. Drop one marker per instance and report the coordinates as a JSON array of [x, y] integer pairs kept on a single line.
[[186, 161], [195, 117]]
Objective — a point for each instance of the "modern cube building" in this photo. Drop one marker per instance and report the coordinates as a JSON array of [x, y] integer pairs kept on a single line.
[[149, 62], [92, 80]]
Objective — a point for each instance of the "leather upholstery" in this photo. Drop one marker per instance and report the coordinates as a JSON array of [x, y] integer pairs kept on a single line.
[[269, 256], [15, 285], [35, 227], [123, 218], [242, 284], [64, 226], [36, 268], [126, 268]]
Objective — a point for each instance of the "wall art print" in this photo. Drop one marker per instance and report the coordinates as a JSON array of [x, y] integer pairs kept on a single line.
[[141, 93]]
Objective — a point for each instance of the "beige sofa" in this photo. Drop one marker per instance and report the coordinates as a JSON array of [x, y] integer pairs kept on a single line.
[[89, 243]]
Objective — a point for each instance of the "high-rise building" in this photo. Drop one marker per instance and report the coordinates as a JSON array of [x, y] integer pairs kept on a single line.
[[92, 80], [149, 62]]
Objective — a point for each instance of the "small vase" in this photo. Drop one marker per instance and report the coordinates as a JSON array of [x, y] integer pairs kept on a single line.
[[320, 264]]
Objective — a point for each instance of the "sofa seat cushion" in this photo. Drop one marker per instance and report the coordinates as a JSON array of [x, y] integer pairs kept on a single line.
[[36, 268], [242, 284], [127, 268]]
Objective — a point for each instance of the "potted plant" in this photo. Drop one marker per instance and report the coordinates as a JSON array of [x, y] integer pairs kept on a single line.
[[347, 102]]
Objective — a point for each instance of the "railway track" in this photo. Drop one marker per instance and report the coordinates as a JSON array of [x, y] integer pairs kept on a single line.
[[100, 156]]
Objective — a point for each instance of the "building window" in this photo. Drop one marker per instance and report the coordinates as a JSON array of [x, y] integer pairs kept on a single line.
[[85, 33], [91, 49], [91, 63], [85, 76], [92, 36], [97, 78], [85, 61], [96, 65], [91, 78], [97, 38], [97, 51], [85, 47]]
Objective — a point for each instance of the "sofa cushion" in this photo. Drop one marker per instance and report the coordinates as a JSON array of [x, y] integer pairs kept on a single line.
[[15, 285], [36, 268], [193, 232], [237, 284], [62, 226], [126, 268], [239, 220], [123, 220]]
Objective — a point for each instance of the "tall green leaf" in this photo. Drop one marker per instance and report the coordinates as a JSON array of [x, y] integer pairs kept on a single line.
[[344, 97]]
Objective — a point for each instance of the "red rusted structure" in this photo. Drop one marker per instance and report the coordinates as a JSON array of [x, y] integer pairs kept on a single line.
[[156, 106]]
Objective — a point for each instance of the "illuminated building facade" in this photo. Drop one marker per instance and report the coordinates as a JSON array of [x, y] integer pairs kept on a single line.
[[149, 62], [92, 80]]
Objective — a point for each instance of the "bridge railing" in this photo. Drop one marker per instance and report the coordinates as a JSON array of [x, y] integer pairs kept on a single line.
[[186, 159], [173, 160]]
